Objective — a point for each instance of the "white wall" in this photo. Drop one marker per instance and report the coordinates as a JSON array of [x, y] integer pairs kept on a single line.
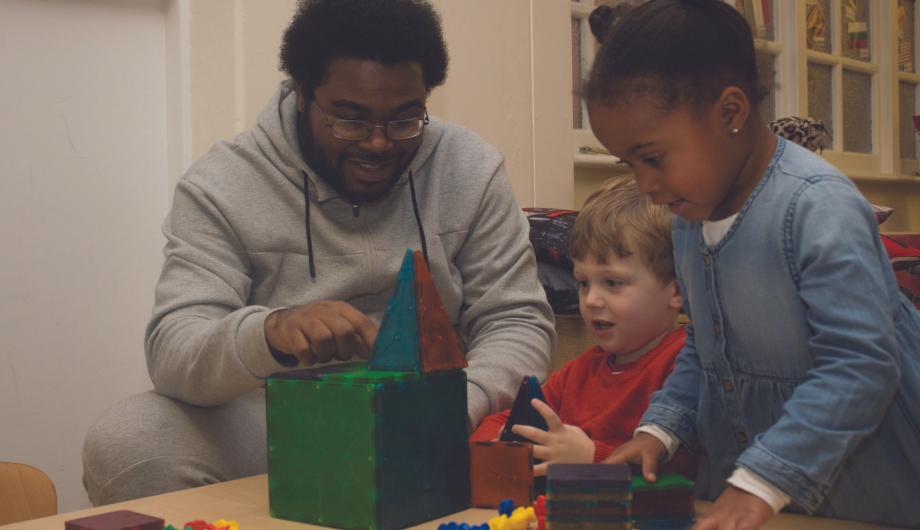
[[83, 190], [509, 82]]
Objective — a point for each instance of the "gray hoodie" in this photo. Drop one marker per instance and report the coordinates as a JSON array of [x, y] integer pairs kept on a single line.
[[236, 249]]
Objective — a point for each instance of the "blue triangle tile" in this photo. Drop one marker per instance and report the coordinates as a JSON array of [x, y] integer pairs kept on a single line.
[[397, 347]]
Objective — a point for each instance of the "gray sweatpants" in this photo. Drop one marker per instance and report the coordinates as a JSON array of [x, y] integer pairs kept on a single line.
[[151, 444]]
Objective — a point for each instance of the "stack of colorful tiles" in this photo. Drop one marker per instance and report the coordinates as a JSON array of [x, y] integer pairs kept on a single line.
[[588, 496], [666, 504], [382, 445]]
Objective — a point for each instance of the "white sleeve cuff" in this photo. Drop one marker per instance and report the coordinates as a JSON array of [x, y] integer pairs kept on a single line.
[[671, 443], [752, 483]]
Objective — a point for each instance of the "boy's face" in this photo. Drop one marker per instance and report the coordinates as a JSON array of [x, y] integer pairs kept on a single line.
[[624, 304], [683, 157]]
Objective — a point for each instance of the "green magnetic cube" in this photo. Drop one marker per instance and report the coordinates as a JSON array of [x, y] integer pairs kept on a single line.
[[362, 449]]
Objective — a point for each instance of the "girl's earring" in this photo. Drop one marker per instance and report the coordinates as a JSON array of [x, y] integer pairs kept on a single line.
[[735, 130]]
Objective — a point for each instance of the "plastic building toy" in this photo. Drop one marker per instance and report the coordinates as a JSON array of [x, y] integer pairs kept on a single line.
[[462, 526], [416, 332], [222, 524], [522, 412], [588, 495], [521, 518], [666, 504], [438, 344], [396, 347], [539, 509], [505, 507], [377, 446], [117, 520], [500, 471]]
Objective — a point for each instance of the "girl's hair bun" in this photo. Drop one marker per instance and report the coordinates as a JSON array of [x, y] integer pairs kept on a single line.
[[604, 17]]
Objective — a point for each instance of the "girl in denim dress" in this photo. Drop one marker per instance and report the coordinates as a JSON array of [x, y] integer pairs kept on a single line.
[[800, 380]]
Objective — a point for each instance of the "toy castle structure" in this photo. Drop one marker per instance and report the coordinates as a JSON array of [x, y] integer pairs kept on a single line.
[[379, 445]]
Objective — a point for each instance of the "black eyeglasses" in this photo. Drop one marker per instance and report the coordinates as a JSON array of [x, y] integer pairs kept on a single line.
[[359, 130]]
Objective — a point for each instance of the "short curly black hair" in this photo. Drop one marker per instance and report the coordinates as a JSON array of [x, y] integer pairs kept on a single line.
[[386, 31]]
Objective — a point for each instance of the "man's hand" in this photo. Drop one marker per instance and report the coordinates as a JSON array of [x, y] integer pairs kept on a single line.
[[321, 331], [736, 509], [560, 444], [645, 450]]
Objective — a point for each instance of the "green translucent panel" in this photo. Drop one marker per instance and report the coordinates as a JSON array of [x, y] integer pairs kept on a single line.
[[366, 449], [665, 482], [321, 452], [365, 375]]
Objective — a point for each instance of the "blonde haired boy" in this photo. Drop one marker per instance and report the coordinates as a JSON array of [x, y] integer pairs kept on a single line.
[[628, 298]]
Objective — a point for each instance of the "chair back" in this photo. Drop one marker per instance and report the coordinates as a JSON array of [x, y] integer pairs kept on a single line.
[[25, 493]]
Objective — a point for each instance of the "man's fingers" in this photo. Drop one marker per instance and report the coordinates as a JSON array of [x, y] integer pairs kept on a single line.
[[552, 419], [321, 339], [363, 349], [362, 325], [300, 347]]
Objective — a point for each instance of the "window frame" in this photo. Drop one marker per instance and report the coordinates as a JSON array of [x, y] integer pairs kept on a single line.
[[906, 166]]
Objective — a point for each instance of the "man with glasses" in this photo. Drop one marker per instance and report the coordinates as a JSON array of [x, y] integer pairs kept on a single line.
[[283, 248]]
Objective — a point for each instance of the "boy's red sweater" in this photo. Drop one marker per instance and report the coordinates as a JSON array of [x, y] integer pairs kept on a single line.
[[605, 400]]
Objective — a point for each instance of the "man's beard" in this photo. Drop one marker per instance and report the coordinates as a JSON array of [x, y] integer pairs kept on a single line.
[[317, 161]]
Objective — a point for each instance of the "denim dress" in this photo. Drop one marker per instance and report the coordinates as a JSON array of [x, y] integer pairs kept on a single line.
[[803, 360]]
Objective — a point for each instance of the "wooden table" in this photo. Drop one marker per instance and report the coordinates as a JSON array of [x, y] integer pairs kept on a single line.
[[246, 501]]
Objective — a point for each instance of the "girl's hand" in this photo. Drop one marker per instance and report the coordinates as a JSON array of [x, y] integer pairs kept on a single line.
[[560, 444], [736, 509], [644, 450]]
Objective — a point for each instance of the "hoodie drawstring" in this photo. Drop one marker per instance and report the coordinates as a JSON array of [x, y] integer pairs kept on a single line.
[[418, 219], [306, 215], [306, 211]]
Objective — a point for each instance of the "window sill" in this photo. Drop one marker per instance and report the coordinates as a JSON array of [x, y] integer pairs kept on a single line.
[[879, 177], [615, 167], [599, 161]]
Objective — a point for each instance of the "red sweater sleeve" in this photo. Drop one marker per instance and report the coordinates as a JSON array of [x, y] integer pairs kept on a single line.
[[490, 427], [602, 451]]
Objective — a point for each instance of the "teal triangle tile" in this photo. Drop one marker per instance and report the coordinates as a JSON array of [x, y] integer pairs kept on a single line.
[[397, 345]]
